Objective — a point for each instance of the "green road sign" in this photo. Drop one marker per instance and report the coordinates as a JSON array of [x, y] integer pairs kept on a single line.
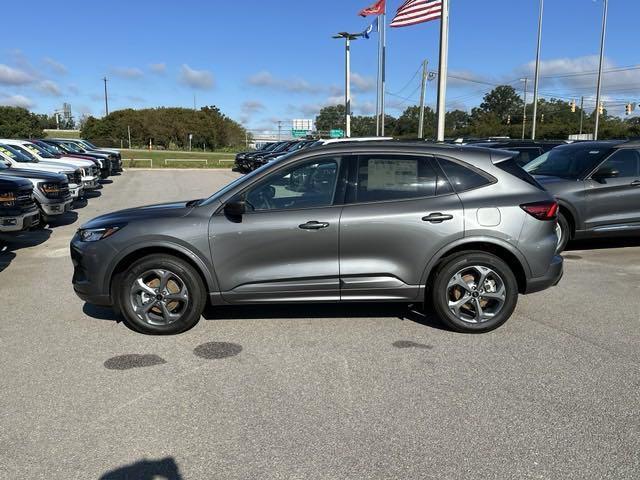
[[299, 133], [336, 133]]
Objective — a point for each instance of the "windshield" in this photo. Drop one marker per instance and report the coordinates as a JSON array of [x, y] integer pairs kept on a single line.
[[88, 144], [71, 147], [23, 154], [50, 148], [37, 150], [567, 162], [13, 154]]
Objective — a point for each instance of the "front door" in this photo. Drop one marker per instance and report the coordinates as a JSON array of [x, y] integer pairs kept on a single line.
[[400, 210], [614, 203], [285, 247]]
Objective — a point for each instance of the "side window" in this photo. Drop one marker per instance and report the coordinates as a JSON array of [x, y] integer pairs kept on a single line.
[[390, 177], [625, 161], [310, 185], [526, 154], [462, 178]]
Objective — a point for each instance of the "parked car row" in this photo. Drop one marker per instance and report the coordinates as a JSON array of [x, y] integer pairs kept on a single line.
[[40, 179]]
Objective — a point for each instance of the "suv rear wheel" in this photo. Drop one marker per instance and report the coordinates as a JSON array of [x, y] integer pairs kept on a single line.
[[563, 231], [161, 295], [474, 292]]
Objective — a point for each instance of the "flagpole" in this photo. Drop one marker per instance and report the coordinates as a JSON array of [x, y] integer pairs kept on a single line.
[[442, 77], [383, 75], [537, 74], [378, 81], [599, 87]]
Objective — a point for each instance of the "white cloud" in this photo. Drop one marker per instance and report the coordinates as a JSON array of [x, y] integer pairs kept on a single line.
[[55, 66], [360, 83], [13, 76], [127, 72], [198, 79], [16, 101], [50, 87], [265, 79], [158, 68], [251, 107]]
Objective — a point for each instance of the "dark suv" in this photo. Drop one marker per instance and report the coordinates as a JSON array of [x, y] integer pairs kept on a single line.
[[465, 229], [528, 150], [597, 185]]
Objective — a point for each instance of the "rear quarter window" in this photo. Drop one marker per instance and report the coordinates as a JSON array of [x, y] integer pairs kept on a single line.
[[511, 167], [461, 177]]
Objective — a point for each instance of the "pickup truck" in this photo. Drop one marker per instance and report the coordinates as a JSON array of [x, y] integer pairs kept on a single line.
[[89, 178], [89, 147], [18, 210], [13, 158], [50, 190], [108, 163]]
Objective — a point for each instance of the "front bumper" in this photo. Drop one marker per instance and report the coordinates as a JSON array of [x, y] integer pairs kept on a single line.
[[54, 209], [549, 279], [76, 191], [90, 270], [90, 183], [19, 222]]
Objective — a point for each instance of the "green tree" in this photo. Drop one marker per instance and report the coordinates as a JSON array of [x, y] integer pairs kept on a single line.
[[17, 122], [501, 102], [330, 118], [363, 126]]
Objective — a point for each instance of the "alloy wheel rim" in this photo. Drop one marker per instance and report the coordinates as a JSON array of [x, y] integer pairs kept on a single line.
[[476, 294], [159, 297], [559, 233]]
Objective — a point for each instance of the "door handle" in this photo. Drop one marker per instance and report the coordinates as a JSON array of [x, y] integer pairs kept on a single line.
[[437, 218], [635, 183], [313, 225]]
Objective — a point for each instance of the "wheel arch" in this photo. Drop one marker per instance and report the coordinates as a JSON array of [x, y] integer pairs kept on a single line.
[[136, 253], [506, 252], [570, 214]]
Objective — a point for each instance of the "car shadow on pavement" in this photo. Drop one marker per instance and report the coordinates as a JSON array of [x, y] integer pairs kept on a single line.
[[413, 313], [604, 243], [10, 243], [64, 219], [101, 313], [164, 469]]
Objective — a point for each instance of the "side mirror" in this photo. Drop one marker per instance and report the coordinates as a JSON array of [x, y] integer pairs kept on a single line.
[[235, 208], [604, 173]]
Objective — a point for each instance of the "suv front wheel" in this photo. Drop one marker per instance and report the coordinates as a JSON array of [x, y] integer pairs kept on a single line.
[[161, 295], [474, 292]]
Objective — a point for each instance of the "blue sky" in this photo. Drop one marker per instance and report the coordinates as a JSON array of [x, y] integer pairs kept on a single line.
[[266, 61]]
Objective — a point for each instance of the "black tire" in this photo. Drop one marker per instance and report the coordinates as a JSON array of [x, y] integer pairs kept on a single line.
[[459, 262], [184, 272], [565, 229]]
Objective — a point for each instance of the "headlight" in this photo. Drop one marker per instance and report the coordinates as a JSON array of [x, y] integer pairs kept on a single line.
[[50, 189], [96, 234], [7, 199]]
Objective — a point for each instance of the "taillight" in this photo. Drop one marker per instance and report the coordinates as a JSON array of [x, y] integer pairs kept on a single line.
[[542, 210]]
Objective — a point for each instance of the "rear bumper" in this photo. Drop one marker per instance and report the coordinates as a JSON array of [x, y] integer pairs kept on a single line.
[[549, 279]]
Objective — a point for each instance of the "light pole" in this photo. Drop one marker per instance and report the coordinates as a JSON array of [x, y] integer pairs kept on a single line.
[[524, 114], [537, 78], [348, 37], [599, 87]]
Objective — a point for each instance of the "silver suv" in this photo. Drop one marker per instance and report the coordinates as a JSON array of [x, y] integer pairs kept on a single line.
[[463, 229]]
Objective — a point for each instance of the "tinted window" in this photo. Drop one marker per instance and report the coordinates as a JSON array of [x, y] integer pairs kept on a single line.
[[462, 178], [513, 168], [385, 177], [525, 154], [310, 185], [568, 162], [625, 161]]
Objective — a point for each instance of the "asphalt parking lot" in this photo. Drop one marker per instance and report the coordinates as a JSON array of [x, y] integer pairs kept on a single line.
[[315, 391]]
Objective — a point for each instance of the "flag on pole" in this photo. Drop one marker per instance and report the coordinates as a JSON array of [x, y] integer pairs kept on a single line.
[[373, 28], [412, 12], [375, 9]]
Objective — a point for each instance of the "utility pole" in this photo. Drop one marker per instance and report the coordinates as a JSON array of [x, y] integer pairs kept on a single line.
[[347, 88], [581, 113], [129, 134], [423, 95], [194, 102], [599, 87], [106, 97], [524, 115], [537, 79], [443, 68]]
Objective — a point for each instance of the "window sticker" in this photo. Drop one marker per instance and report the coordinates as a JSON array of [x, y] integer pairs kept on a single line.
[[397, 175]]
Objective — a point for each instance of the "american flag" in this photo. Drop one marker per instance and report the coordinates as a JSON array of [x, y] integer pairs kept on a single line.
[[412, 12]]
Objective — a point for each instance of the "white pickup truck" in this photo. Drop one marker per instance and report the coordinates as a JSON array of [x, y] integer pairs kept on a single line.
[[16, 159], [90, 173]]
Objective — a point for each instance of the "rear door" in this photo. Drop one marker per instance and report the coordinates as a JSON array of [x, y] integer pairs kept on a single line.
[[399, 211], [614, 203]]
